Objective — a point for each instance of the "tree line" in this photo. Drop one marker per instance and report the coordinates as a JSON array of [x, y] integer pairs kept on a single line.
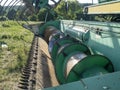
[[64, 10]]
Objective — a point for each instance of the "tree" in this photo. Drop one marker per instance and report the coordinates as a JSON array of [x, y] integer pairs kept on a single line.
[[68, 10], [11, 14], [33, 17], [1, 9], [3, 12], [43, 13], [3, 18]]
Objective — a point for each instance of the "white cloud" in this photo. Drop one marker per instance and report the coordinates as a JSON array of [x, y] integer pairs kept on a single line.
[[88, 1], [81, 1]]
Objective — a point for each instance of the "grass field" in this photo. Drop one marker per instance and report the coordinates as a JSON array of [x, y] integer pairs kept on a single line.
[[15, 42]]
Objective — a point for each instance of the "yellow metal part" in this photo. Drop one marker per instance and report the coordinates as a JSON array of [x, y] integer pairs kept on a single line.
[[106, 8]]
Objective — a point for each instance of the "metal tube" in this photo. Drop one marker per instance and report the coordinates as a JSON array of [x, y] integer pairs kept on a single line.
[[73, 61], [49, 31]]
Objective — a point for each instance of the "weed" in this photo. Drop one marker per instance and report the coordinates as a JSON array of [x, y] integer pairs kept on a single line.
[[14, 58]]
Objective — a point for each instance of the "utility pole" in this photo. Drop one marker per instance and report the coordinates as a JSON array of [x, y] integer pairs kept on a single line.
[[92, 1]]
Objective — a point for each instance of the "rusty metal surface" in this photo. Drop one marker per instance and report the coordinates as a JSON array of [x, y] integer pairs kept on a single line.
[[73, 61], [46, 74], [39, 72]]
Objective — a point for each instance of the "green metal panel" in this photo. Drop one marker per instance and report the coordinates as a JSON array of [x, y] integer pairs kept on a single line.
[[104, 38], [52, 39], [39, 3], [61, 57], [79, 33], [94, 71], [50, 23], [103, 82], [90, 63], [58, 44], [43, 3], [108, 45]]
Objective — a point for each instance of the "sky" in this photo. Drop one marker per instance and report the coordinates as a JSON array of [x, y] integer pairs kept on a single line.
[[88, 1], [81, 1], [85, 1]]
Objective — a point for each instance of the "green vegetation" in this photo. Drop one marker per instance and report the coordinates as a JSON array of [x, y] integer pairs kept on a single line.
[[13, 56], [68, 10], [64, 10]]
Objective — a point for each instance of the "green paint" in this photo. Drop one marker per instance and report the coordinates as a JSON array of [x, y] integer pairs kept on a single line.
[[66, 53], [58, 44], [50, 23], [107, 44], [87, 63], [102, 82]]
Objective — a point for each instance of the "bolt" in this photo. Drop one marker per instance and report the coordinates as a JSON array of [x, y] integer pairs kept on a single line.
[[105, 87], [86, 87]]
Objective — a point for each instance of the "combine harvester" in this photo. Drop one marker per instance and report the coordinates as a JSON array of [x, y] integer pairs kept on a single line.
[[85, 53]]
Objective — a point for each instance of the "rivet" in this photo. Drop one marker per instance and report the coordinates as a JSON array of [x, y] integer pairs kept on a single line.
[[105, 87]]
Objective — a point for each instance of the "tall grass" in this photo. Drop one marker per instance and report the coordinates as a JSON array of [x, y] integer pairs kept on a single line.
[[13, 58]]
